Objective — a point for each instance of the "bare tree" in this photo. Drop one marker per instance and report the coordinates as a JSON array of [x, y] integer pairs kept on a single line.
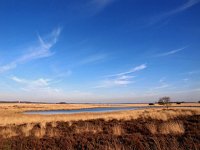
[[164, 101]]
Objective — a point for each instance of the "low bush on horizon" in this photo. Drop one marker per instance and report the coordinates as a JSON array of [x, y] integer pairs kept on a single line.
[[151, 103]]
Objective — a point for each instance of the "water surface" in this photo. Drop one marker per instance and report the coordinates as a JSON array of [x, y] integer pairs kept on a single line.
[[86, 110]]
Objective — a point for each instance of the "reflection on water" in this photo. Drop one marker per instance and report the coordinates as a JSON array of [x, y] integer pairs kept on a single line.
[[104, 109]]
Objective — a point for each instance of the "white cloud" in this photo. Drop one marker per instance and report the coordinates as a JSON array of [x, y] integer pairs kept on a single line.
[[175, 11], [98, 5], [41, 84], [116, 82], [44, 89], [183, 7], [162, 85], [170, 52], [18, 80], [186, 80], [193, 72], [120, 79], [7, 67], [162, 79], [35, 51], [135, 69], [93, 59], [64, 74]]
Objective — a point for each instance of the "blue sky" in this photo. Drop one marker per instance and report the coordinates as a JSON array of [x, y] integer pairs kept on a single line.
[[99, 50]]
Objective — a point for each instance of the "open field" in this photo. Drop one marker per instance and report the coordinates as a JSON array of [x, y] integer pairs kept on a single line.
[[13, 113], [162, 130], [154, 128]]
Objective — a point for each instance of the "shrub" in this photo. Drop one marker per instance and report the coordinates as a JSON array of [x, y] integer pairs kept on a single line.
[[62, 103], [151, 103], [164, 101]]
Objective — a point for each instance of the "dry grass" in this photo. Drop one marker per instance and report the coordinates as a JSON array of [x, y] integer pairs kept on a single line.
[[166, 114], [7, 133], [171, 128], [166, 128], [54, 124], [152, 128], [88, 128], [41, 131], [26, 130], [53, 132], [117, 130], [12, 113]]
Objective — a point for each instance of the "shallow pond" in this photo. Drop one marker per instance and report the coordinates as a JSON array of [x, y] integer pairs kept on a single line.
[[86, 110]]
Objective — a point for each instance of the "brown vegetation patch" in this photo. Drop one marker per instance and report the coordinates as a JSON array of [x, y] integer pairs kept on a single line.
[[26, 129], [178, 133], [87, 127], [117, 130], [7, 133], [171, 127]]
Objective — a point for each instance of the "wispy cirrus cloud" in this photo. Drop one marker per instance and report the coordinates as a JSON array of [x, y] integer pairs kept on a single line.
[[46, 91], [116, 82], [120, 79], [135, 69], [93, 59], [193, 72], [170, 52], [183, 7], [162, 85], [38, 51], [40, 85], [185, 79], [90, 59], [173, 12], [96, 6], [41, 82]]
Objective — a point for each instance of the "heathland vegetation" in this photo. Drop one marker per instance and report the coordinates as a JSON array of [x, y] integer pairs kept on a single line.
[[153, 128]]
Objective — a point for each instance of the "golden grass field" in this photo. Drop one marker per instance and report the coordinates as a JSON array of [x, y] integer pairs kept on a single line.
[[13, 113], [157, 121]]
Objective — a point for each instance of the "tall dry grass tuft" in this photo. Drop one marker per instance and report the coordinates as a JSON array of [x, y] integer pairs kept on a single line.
[[54, 124], [166, 114], [7, 133], [166, 128], [52, 132], [152, 128], [88, 128], [172, 128], [114, 147], [40, 132], [26, 130], [117, 130]]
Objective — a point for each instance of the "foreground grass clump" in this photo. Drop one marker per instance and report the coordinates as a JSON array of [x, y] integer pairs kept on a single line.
[[172, 127]]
